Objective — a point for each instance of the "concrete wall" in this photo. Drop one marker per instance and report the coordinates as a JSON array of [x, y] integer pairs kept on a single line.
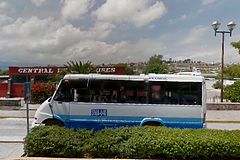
[[10, 102], [223, 106]]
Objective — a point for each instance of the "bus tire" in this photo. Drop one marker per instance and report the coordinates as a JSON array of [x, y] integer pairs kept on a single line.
[[152, 124], [53, 122]]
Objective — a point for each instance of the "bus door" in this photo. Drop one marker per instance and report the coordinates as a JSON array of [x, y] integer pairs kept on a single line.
[[60, 111], [60, 103]]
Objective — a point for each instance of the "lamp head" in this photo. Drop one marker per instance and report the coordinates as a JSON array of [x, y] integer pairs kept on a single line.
[[231, 25], [216, 25]]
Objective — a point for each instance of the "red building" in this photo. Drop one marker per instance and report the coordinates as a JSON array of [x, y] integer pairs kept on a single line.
[[110, 70], [3, 85], [13, 85]]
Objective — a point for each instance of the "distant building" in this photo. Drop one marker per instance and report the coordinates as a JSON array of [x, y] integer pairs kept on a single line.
[[188, 65]]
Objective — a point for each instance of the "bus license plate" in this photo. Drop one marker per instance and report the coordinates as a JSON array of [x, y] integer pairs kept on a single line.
[[98, 112]]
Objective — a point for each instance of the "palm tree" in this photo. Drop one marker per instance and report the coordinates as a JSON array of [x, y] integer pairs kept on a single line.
[[80, 67]]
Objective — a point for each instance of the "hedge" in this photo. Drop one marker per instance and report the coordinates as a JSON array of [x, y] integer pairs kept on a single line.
[[134, 142], [54, 141]]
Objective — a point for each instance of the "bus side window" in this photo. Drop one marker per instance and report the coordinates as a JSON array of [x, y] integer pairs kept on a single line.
[[122, 95], [60, 95], [63, 93], [113, 96], [156, 88], [83, 95], [96, 96], [141, 96]]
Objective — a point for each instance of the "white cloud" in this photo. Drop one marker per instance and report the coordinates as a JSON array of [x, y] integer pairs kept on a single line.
[[101, 30], [49, 41], [74, 9], [178, 19], [208, 2], [96, 51], [125, 11], [194, 36], [183, 17], [38, 3], [31, 28], [4, 19], [3, 5]]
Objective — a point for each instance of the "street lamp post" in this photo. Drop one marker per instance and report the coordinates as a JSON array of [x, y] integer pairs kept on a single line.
[[230, 26]]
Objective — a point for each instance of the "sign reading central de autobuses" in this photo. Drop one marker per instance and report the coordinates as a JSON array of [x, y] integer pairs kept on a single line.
[[55, 70], [34, 70]]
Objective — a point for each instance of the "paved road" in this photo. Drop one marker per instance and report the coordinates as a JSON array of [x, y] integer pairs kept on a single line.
[[11, 150], [12, 129], [12, 132]]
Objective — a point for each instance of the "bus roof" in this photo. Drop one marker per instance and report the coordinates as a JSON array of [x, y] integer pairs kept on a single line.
[[141, 77]]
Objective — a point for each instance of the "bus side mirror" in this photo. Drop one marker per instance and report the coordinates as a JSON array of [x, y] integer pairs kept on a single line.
[[49, 99]]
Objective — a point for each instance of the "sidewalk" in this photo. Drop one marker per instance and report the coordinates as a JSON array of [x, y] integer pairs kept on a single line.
[[16, 112], [44, 158], [223, 116]]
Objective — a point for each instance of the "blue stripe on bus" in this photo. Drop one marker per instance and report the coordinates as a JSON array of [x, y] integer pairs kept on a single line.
[[101, 122]]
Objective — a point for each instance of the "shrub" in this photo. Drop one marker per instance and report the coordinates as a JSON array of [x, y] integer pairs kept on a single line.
[[42, 91], [135, 142], [232, 92], [49, 141], [109, 143], [165, 143], [217, 84]]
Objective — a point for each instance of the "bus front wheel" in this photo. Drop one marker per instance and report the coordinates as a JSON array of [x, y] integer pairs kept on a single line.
[[53, 122]]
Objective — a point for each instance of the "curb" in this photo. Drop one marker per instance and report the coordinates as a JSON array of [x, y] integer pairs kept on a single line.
[[222, 121], [3, 117], [12, 141], [46, 158]]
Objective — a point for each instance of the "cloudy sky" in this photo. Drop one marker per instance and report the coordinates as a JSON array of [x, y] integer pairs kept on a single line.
[[42, 32]]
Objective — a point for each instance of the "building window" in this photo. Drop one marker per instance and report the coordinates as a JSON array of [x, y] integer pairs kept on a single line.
[[20, 78], [41, 78]]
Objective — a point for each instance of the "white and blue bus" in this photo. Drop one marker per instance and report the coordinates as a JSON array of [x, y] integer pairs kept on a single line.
[[95, 101]]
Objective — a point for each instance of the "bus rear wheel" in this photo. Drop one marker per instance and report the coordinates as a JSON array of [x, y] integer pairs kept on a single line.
[[53, 122]]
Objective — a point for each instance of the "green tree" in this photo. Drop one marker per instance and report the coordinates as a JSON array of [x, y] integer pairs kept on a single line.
[[80, 67], [236, 45], [54, 79], [232, 92], [155, 64], [3, 72], [232, 71], [217, 84]]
